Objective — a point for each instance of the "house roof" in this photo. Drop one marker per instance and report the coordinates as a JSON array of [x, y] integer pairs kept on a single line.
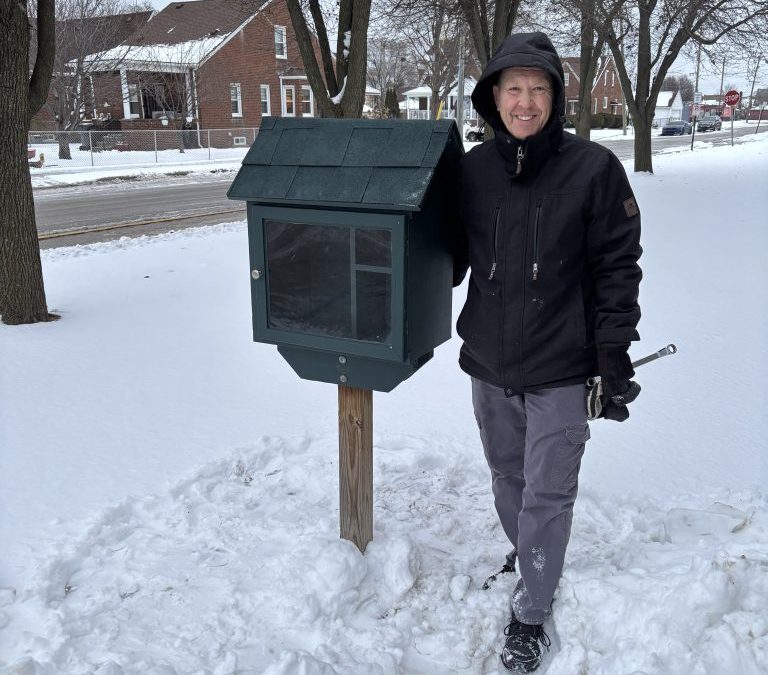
[[187, 21], [93, 33], [181, 36], [418, 91], [665, 99], [157, 57], [352, 163], [469, 85]]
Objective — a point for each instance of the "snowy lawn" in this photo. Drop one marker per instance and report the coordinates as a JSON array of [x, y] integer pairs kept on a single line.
[[168, 488]]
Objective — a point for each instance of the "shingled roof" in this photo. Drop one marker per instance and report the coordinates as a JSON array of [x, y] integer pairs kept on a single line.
[[184, 21], [382, 164], [181, 36]]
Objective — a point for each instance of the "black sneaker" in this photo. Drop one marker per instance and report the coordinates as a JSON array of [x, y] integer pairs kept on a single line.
[[522, 648]]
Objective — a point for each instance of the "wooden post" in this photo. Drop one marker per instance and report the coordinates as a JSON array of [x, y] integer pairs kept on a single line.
[[356, 465]]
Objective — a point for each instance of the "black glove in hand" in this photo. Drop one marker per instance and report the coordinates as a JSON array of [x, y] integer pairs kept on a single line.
[[615, 369], [615, 407]]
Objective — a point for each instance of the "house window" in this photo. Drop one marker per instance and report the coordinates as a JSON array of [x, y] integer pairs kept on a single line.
[[605, 102], [613, 79], [566, 79], [134, 100], [605, 78], [289, 103], [281, 42], [595, 110], [236, 99], [239, 140], [306, 101], [265, 105]]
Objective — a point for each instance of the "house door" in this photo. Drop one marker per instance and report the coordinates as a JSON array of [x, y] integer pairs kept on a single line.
[[289, 100]]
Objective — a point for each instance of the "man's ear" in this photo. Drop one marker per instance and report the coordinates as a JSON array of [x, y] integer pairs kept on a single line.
[[496, 95]]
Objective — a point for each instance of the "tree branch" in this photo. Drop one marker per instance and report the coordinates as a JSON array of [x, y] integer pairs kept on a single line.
[[325, 48], [46, 52]]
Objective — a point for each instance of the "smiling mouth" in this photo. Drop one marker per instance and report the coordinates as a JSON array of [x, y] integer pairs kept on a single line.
[[524, 118]]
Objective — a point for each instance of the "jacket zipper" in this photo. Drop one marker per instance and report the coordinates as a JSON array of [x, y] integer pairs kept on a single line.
[[495, 242], [520, 156], [536, 243]]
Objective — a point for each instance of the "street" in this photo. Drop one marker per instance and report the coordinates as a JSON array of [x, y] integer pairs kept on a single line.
[[104, 211]]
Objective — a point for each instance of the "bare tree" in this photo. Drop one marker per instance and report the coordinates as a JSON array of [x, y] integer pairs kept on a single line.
[[576, 18], [338, 82], [431, 29], [22, 291], [654, 32], [489, 22], [83, 28], [681, 83], [390, 64]]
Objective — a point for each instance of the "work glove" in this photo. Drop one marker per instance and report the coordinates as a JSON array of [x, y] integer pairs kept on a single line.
[[618, 389]]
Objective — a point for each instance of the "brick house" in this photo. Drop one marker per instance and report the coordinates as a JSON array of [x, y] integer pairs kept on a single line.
[[76, 37], [606, 88], [212, 64]]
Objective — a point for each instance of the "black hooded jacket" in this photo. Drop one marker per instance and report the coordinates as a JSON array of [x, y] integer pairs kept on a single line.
[[551, 231]]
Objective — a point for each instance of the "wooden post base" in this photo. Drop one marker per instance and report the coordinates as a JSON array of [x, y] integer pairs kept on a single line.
[[356, 465]]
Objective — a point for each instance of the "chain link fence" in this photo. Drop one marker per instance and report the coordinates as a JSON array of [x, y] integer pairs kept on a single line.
[[89, 148]]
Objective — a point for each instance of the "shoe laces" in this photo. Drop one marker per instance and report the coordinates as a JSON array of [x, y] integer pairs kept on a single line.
[[534, 630]]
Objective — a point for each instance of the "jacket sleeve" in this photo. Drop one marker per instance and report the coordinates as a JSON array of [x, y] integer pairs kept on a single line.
[[613, 249], [459, 235]]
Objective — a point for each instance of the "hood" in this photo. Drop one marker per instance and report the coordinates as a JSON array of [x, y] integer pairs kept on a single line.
[[523, 50]]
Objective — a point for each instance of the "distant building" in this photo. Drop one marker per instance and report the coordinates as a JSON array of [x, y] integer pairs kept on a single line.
[[418, 102], [669, 107], [208, 63], [606, 94], [74, 38]]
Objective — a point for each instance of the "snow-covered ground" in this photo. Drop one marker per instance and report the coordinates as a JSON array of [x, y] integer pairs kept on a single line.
[[168, 488], [87, 167]]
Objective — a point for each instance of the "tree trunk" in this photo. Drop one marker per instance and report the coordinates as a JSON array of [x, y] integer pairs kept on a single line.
[[587, 60], [643, 159], [22, 293], [64, 151]]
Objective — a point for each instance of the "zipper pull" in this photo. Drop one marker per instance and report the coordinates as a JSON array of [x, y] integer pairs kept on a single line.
[[520, 155], [535, 271], [493, 272]]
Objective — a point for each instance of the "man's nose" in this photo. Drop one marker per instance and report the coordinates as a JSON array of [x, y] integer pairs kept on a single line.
[[526, 98]]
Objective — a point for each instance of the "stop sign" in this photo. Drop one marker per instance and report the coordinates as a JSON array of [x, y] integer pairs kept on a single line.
[[732, 97]]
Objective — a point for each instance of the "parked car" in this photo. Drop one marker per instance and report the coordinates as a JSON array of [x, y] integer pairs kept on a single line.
[[677, 128], [475, 134], [709, 123]]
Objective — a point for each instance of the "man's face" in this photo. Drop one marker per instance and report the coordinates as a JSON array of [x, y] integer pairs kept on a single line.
[[523, 98]]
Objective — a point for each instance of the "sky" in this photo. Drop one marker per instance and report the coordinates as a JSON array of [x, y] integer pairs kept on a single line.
[[169, 488]]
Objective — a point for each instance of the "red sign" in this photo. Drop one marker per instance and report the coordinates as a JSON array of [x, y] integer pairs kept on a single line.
[[732, 97]]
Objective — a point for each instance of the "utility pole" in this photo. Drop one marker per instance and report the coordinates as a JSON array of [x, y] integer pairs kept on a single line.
[[752, 91], [696, 91], [623, 98], [722, 77], [460, 87]]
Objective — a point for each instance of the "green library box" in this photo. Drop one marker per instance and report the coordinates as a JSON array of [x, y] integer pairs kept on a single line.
[[350, 229]]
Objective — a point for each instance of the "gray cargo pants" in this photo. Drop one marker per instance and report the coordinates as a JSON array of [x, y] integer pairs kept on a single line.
[[534, 443]]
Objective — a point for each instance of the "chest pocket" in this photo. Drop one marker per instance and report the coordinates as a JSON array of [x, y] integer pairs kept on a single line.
[[559, 225], [484, 233]]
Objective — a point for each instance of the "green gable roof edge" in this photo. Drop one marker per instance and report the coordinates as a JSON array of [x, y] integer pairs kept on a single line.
[[386, 164]]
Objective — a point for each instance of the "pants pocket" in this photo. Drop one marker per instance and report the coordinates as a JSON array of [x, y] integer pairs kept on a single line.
[[567, 460]]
